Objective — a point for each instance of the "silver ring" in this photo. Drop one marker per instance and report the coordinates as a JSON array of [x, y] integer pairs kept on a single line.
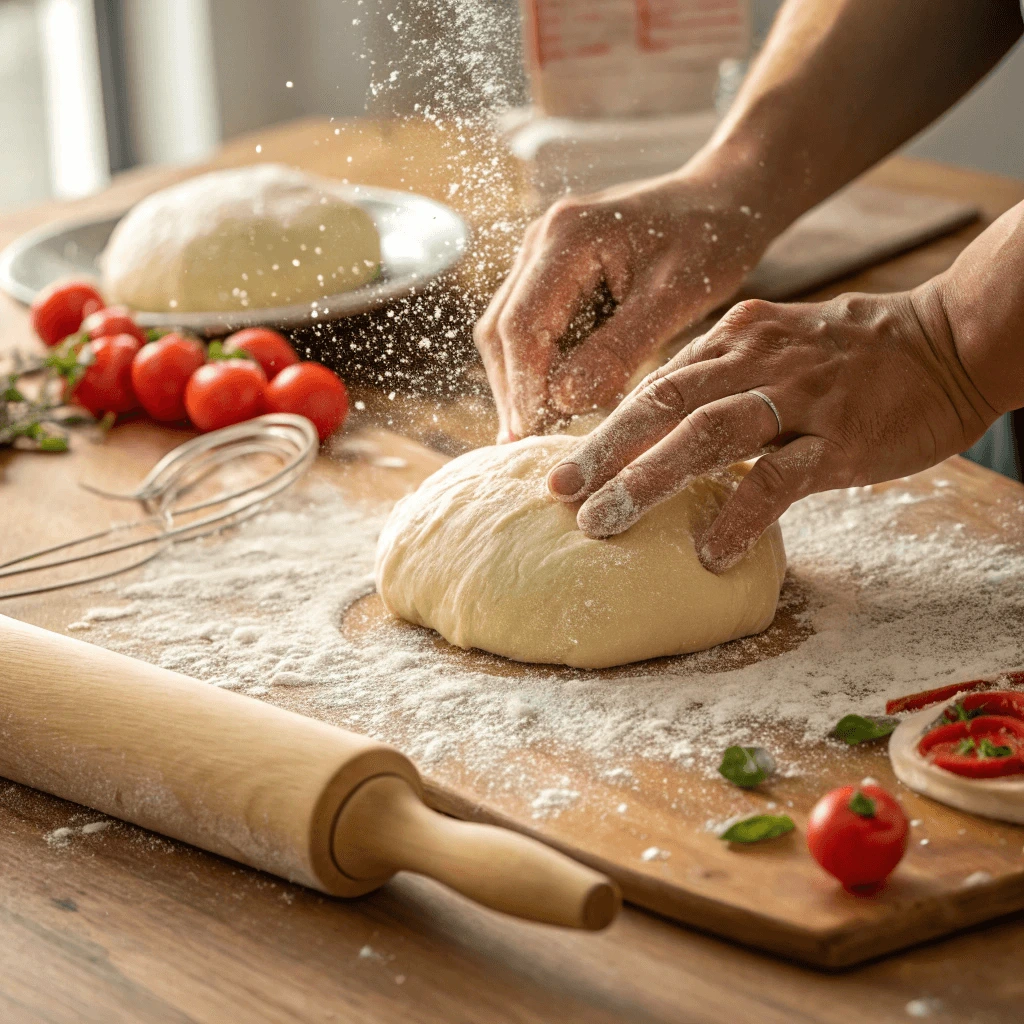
[[771, 405]]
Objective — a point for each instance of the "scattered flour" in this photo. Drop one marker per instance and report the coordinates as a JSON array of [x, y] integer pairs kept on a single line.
[[883, 612], [654, 853], [978, 878], [549, 803], [59, 838], [103, 615], [925, 1007]]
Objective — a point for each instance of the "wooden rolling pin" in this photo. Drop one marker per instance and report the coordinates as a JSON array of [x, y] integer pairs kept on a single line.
[[301, 799]]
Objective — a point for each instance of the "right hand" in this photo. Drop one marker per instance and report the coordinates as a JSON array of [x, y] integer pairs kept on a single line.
[[667, 249]]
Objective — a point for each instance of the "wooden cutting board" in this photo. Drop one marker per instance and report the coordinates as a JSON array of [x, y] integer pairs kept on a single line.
[[856, 228], [771, 896]]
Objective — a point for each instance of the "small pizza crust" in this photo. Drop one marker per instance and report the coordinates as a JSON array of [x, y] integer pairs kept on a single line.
[[1002, 799]]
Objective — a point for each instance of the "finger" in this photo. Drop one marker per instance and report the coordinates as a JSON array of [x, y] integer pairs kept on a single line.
[[802, 467], [494, 366], [716, 435], [652, 410], [538, 312], [488, 341]]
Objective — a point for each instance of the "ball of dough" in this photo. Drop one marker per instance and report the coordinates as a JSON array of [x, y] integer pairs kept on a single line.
[[485, 556], [246, 238]]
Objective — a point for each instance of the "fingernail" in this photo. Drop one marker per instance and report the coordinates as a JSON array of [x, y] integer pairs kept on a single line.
[[608, 512], [716, 560], [505, 437], [566, 481]]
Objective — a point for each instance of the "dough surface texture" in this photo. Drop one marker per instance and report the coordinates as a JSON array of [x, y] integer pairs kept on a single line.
[[482, 554], [245, 238]]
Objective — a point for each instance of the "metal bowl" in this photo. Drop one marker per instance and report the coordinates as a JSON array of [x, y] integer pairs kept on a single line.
[[420, 239]]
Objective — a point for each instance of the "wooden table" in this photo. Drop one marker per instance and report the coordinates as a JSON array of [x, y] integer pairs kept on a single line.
[[125, 926]]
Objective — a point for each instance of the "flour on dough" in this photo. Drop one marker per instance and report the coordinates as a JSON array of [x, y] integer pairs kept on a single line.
[[245, 238], [485, 556]]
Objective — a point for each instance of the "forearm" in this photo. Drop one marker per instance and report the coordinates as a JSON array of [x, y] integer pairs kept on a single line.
[[982, 307], [840, 84]]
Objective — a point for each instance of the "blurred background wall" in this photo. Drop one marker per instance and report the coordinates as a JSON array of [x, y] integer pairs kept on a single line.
[[91, 87]]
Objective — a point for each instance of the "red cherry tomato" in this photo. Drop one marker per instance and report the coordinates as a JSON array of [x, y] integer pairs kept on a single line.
[[106, 385], [859, 835], [270, 349], [222, 393], [112, 320], [313, 391], [60, 309], [161, 372]]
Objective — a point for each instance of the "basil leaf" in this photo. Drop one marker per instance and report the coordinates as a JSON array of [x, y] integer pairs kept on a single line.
[[854, 729], [958, 713], [746, 766], [989, 749], [965, 747], [757, 828]]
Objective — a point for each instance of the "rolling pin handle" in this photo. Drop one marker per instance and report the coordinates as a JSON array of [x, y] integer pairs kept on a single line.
[[384, 827]]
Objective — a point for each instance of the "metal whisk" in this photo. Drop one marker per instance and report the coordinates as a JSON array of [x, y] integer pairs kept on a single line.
[[292, 440]]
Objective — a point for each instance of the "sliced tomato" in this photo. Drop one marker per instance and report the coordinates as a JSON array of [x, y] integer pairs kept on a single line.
[[986, 747], [1008, 703], [917, 701]]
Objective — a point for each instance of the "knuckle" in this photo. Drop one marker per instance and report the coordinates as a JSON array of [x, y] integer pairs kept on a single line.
[[511, 327], [707, 347], [662, 392], [770, 481], [483, 334], [708, 422], [563, 212], [747, 313]]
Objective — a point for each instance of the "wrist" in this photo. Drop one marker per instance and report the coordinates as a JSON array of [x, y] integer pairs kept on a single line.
[[982, 299], [929, 305], [738, 174]]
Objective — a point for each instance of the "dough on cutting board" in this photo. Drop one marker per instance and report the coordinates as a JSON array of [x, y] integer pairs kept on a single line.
[[245, 238], [485, 556]]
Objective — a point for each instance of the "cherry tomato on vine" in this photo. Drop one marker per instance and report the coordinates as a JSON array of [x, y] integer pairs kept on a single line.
[[161, 372], [270, 349], [219, 394], [106, 385], [112, 320], [313, 391], [859, 835], [59, 310]]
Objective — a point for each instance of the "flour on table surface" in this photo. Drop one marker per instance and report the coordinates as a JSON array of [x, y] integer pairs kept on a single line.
[[62, 837], [886, 613]]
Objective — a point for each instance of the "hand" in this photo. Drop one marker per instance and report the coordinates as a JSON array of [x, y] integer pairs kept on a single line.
[[668, 250], [868, 388]]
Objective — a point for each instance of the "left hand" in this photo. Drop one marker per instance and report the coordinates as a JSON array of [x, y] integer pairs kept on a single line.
[[868, 388]]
